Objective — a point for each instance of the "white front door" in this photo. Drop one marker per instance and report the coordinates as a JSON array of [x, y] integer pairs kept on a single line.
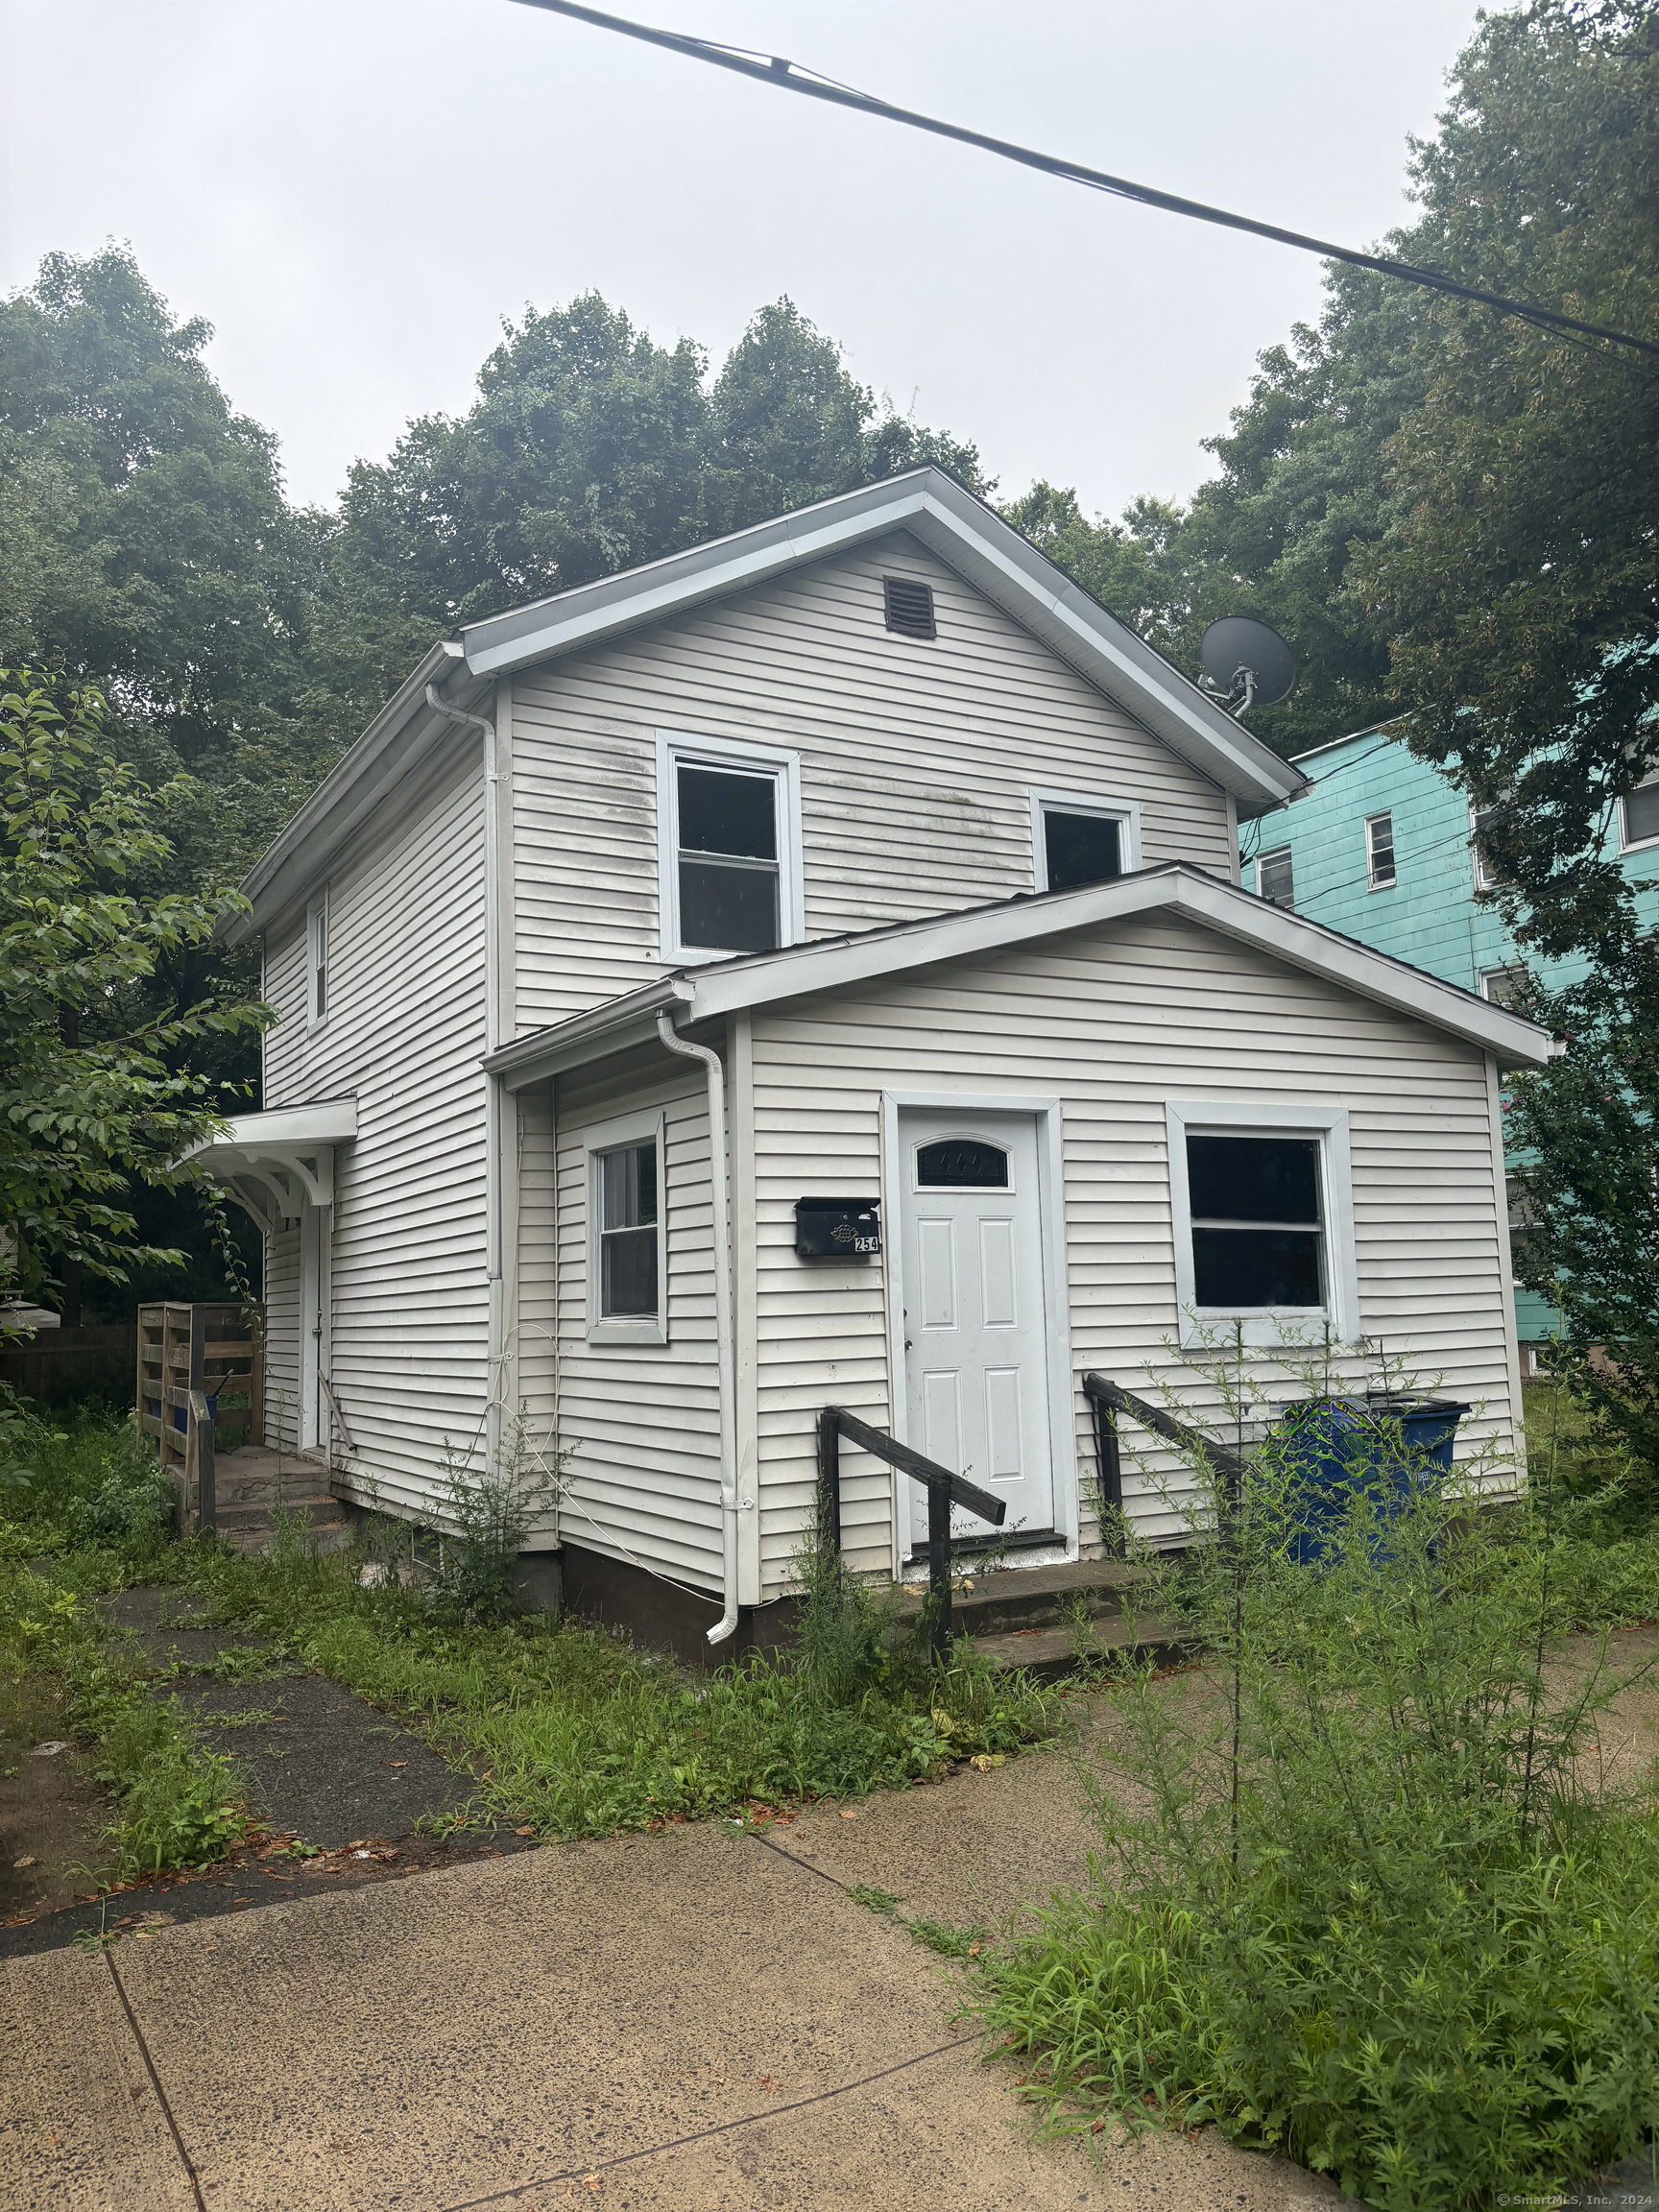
[[976, 1339]]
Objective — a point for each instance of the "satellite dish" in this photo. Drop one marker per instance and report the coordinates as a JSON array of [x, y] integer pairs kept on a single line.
[[1245, 664]]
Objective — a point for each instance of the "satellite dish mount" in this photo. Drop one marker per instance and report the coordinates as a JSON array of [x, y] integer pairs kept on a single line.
[[1245, 664]]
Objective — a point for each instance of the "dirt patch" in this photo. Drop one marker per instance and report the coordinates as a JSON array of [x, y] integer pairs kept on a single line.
[[52, 1811]]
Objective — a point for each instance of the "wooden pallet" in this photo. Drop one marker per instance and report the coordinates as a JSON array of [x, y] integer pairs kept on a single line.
[[200, 1374]]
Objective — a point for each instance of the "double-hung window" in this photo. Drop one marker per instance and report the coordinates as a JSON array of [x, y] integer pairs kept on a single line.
[[1262, 1218], [1078, 840], [1379, 852], [729, 822], [1639, 814], [627, 1246], [1276, 877]]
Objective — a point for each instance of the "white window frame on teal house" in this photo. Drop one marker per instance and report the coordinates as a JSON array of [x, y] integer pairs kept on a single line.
[[1267, 1324], [1375, 846], [1627, 843], [1286, 854]]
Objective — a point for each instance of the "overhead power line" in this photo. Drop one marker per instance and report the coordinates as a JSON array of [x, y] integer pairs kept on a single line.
[[790, 77]]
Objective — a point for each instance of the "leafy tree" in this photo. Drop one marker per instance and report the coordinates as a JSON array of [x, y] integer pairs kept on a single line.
[[97, 1087], [590, 449], [1518, 577]]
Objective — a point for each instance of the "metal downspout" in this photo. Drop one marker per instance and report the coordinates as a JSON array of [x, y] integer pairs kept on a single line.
[[494, 1239], [721, 1210]]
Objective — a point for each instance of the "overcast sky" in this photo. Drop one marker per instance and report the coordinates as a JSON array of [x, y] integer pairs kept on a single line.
[[355, 192]]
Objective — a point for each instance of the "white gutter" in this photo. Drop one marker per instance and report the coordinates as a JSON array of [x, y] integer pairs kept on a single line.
[[495, 1241], [721, 1208]]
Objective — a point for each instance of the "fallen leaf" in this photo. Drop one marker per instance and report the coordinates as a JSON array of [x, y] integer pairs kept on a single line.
[[399, 1762], [50, 1749], [27, 1859], [523, 1831], [593, 2183], [848, 1813], [1097, 2126]]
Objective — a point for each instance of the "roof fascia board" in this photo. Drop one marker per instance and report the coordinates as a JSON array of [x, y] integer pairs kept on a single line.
[[1083, 632], [332, 1122], [613, 1027], [353, 789]]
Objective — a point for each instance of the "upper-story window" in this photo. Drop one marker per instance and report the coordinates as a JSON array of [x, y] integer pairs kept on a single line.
[[1379, 852], [1639, 813], [317, 960], [729, 835], [1276, 877], [1486, 874], [1077, 840]]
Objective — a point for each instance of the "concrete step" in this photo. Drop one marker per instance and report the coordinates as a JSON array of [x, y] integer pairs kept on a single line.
[[1019, 1598], [1051, 1654]]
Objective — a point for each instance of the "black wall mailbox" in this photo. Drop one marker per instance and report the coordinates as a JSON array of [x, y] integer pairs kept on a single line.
[[837, 1228]]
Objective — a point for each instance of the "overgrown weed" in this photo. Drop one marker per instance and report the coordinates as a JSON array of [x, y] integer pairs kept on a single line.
[[1382, 1913]]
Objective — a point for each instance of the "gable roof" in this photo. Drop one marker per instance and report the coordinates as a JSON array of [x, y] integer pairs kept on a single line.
[[969, 536], [966, 534], [724, 987]]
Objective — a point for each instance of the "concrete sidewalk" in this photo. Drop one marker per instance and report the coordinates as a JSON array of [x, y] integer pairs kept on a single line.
[[698, 2019]]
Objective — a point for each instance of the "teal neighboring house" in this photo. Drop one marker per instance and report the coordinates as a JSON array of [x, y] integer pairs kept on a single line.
[[1379, 847]]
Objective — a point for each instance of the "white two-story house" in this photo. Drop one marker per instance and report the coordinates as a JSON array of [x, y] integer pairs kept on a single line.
[[858, 858]]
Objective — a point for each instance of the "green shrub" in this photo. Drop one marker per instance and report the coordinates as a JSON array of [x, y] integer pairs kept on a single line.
[[1375, 1910]]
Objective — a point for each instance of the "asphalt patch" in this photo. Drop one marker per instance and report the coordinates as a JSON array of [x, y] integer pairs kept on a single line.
[[353, 1788]]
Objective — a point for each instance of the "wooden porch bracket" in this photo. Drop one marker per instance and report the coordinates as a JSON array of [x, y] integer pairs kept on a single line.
[[943, 1490]]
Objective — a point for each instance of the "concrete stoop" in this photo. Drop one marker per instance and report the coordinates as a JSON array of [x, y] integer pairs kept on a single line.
[[252, 1484], [1050, 1620]]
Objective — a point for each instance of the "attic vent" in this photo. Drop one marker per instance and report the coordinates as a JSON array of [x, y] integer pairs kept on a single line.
[[910, 607]]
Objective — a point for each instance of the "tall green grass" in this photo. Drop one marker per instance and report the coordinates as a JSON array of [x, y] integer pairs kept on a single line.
[[1378, 1908]]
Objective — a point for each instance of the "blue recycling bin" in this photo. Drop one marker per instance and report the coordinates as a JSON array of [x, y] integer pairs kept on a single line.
[[1383, 1444]]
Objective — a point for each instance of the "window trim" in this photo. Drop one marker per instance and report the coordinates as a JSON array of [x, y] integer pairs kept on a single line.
[[1384, 814], [1273, 854], [1125, 812], [1263, 1325], [1485, 880], [1627, 843], [621, 1135], [1490, 975], [674, 746], [317, 960]]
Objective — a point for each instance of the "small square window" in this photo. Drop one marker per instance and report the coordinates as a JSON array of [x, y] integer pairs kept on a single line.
[[1080, 849], [1379, 851], [1504, 986], [1258, 1227], [629, 1289], [1276, 878], [1640, 811]]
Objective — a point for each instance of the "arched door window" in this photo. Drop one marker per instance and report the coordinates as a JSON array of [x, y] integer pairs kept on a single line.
[[961, 1164]]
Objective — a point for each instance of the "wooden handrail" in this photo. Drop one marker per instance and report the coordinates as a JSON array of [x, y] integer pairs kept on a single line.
[[1107, 1393], [943, 1490]]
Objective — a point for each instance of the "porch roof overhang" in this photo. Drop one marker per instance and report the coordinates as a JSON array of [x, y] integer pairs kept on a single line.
[[725, 987], [276, 1163]]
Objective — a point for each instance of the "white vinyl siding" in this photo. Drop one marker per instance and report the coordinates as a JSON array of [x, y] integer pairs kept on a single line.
[[407, 1342], [916, 766], [641, 1420], [1116, 1025]]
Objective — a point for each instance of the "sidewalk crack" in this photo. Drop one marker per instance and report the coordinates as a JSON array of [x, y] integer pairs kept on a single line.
[[704, 2134], [155, 2083]]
